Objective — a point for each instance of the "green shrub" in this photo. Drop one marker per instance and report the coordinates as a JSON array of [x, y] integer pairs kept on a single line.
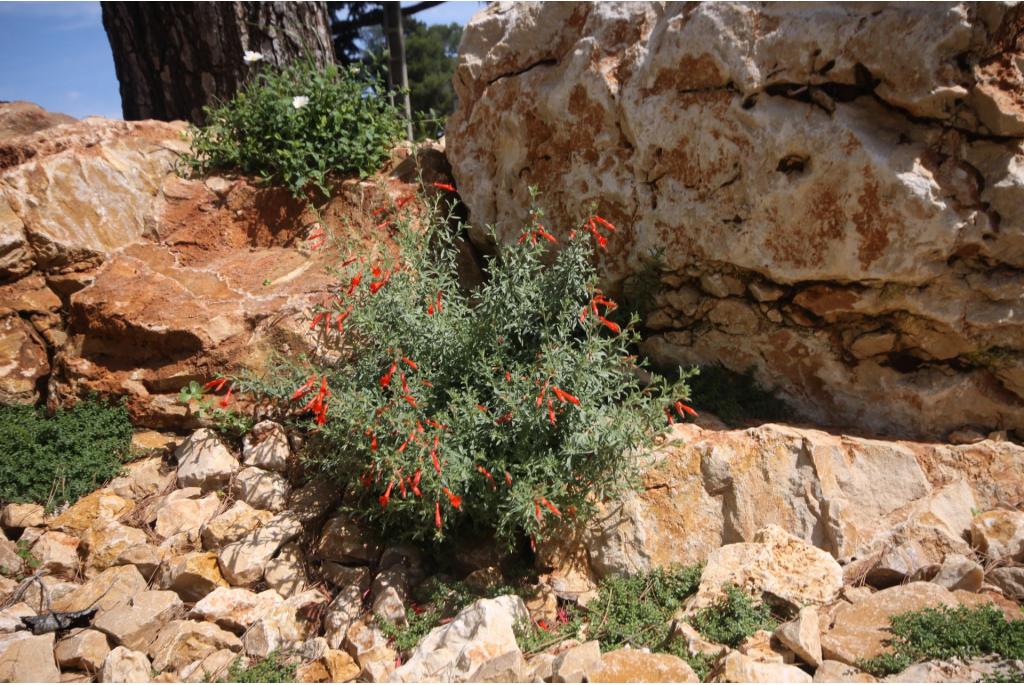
[[733, 618], [637, 610], [735, 397], [506, 408], [346, 126], [948, 633], [50, 460], [271, 669]]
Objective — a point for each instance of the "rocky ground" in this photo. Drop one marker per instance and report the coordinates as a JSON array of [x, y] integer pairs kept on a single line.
[[200, 556]]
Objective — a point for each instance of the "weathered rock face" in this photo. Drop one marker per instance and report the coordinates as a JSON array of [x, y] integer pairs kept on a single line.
[[852, 497], [119, 277], [839, 210]]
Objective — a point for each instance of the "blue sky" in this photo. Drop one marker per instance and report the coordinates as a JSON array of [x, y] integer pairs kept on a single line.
[[56, 54]]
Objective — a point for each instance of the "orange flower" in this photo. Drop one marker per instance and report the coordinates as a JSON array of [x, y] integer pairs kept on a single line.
[[385, 380], [227, 399], [508, 479], [410, 362], [433, 456], [612, 326], [383, 499], [216, 384], [453, 499], [410, 399], [564, 396], [445, 186], [488, 476], [680, 407], [551, 507], [317, 319], [354, 283], [437, 515], [551, 413]]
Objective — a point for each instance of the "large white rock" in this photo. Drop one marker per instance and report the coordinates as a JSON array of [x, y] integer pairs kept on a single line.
[[27, 658], [266, 447], [136, 623], [180, 643], [261, 489], [236, 608], [245, 561], [186, 515], [818, 220], [122, 665], [204, 461], [233, 525], [480, 632], [999, 534], [777, 566]]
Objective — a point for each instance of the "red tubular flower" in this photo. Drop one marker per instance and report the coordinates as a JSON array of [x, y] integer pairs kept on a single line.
[[453, 499], [433, 456], [543, 625], [488, 476], [551, 507], [612, 326], [385, 380], [668, 414], [366, 479], [216, 384], [680, 407], [410, 399], [546, 236], [383, 499], [377, 285], [354, 283], [379, 211], [504, 418], [604, 223], [540, 395], [373, 442], [227, 399], [405, 383], [415, 483], [303, 389], [401, 486], [564, 396], [537, 512], [317, 319], [508, 377], [433, 424], [444, 186], [437, 515], [439, 306], [508, 479], [411, 363], [405, 444], [551, 413], [403, 201], [482, 408]]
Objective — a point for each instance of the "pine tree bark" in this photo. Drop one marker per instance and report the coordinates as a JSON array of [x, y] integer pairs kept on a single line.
[[173, 58]]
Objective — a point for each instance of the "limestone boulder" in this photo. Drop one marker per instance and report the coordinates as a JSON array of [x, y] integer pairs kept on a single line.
[[802, 635], [838, 672], [204, 461], [27, 658], [234, 524], [236, 609], [244, 562], [266, 447], [261, 489], [193, 575], [345, 540], [146, 477], [11, 563], [105, 542], [480, 632], [999, 534], [57, 553], [211, 668], [113, 586], [793, 166], [23, 359], [135, 623], [100, 505], [371, 650], [740, 668], [776, 566], [634, 666], [186, 516], [85, 650], [286, 573], [861, 630], [182, 642], [22, 515], [122, 665]]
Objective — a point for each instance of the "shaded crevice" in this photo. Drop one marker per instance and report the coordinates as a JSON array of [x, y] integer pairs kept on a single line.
[[547, 62]]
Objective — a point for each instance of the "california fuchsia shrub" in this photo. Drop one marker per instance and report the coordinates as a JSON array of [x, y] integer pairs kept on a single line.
[[509, 407]]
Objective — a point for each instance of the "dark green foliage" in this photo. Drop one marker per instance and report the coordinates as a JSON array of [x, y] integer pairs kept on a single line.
[[348, 126], [948, 633], [700, 663], [637, 610], [52, 460], [735, 397], [430, 54], [733, 618], [473, 379], [271, 669]]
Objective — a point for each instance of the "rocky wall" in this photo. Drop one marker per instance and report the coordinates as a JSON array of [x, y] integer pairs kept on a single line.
[[835, 190]]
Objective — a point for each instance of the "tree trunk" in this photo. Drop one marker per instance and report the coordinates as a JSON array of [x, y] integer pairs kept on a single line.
[[173, 58], [397, 74]]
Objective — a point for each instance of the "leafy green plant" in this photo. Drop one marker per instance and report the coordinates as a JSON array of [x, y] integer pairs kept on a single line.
[[50, 460], [506, 407], [637, 610], [948, 633], [230, 424], [296, 125], [700, 663], [733, 618], [270, 669]]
